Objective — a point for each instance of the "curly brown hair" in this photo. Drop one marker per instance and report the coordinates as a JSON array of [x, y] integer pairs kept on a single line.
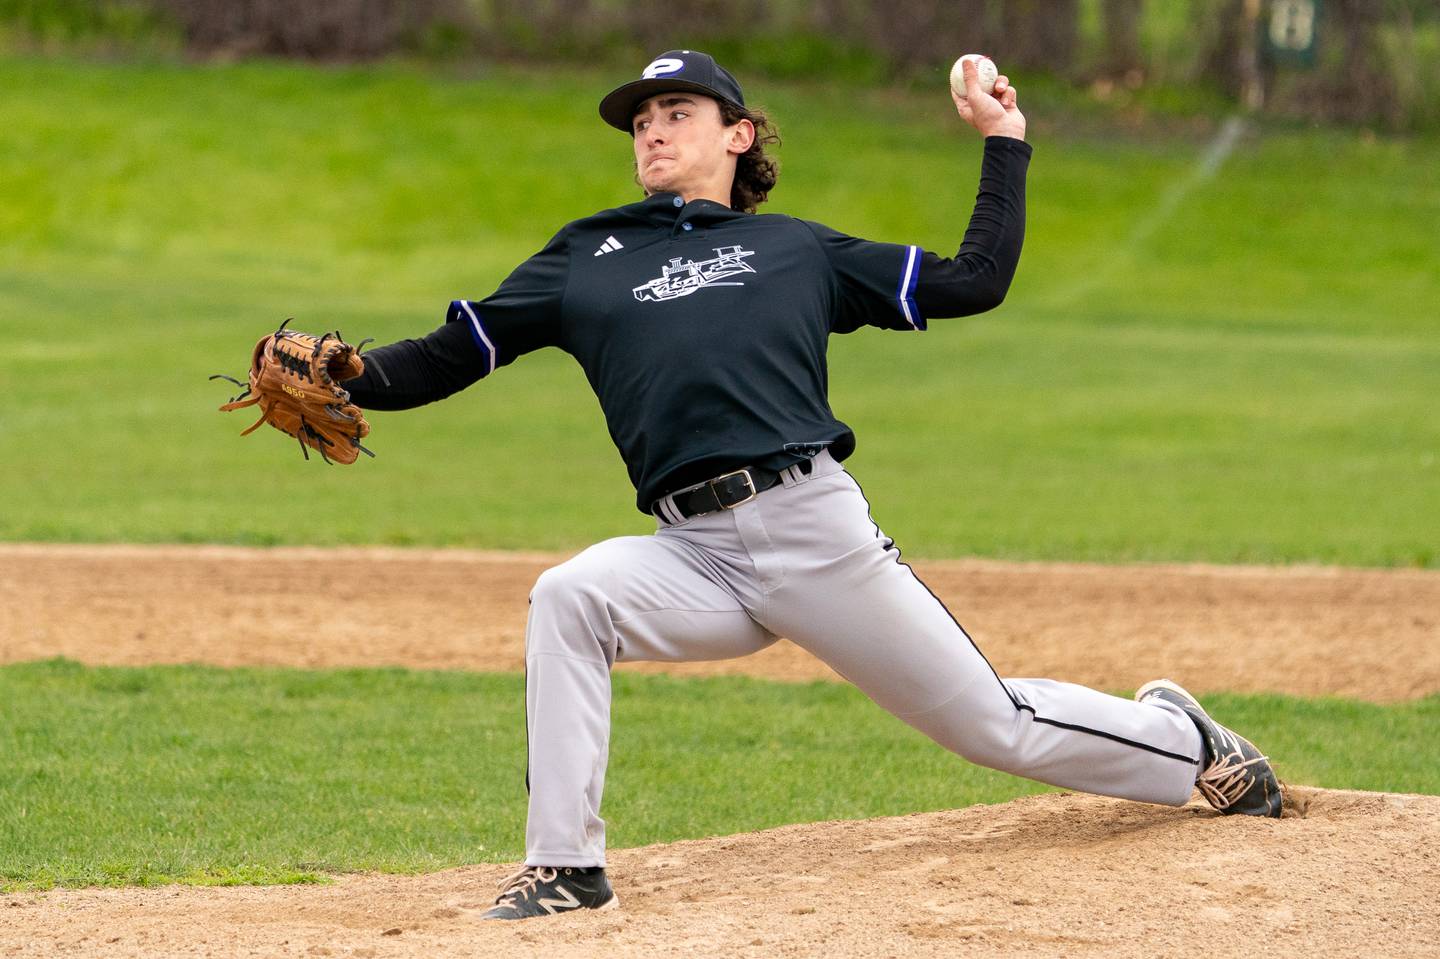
[[755, 171]]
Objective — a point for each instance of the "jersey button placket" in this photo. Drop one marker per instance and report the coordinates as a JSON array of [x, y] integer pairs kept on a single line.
[[679, 225]]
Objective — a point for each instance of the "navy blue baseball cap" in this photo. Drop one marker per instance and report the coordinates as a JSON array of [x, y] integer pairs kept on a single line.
[[674, 70]]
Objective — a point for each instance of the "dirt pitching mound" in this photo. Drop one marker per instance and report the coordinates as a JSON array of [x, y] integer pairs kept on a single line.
[[1368, 634], [1343, 874]]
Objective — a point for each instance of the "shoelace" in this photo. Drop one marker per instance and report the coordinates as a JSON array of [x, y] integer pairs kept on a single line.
[[1226, 780], [522, 882]]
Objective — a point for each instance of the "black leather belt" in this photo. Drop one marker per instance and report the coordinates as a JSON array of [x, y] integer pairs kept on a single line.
[[727, 491]]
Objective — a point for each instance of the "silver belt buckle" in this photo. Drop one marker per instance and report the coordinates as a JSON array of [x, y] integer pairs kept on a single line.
[[749, 481]]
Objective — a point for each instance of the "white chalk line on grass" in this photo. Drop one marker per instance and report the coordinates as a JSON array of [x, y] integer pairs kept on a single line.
[[1206, 166]]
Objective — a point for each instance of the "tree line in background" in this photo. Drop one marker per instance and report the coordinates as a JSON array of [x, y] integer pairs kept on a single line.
[[1372, 61]]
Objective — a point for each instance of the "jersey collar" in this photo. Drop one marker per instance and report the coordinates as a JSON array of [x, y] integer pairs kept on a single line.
[[664, 209]]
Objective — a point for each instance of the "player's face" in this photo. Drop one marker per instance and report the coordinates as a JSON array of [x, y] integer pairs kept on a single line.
[[682, 145]]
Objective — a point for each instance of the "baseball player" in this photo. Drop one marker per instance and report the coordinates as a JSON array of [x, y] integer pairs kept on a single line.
[[702, 328]]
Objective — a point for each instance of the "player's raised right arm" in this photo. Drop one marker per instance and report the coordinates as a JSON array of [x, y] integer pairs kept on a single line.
[[978, 276]]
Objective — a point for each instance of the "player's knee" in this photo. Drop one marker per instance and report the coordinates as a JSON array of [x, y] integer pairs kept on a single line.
[[988, 750], [985, 740], [563, 585], [568, 616]]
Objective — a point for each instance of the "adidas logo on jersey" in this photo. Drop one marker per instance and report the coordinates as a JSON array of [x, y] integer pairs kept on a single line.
[[609, 246]]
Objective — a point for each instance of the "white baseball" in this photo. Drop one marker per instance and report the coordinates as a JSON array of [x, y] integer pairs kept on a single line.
[[983, 64]]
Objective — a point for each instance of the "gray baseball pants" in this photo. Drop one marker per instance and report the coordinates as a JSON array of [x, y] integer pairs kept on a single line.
[[804, 560]]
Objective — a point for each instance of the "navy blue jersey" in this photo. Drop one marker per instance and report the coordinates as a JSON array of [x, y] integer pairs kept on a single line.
[[703, 330]]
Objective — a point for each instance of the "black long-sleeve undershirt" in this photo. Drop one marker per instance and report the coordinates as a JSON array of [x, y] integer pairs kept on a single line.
[[414, 372], [978, 276]]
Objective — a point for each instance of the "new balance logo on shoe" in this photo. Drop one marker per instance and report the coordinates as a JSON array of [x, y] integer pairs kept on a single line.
[[609, 246], [553, 905]]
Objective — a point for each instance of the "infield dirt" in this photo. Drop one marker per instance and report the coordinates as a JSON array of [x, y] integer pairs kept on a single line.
[[1344, 873], [1310, 631]]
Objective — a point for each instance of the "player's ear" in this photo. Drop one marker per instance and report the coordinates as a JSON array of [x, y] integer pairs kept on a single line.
[[740, 137]]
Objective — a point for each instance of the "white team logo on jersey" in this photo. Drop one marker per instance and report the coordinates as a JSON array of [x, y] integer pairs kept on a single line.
[[679, 279]]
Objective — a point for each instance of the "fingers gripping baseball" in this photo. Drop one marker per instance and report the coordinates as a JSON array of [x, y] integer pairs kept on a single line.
[[993, 114]]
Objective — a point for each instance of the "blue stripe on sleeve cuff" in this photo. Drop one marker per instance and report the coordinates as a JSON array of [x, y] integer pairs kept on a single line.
[[909, 276], [463, 311]]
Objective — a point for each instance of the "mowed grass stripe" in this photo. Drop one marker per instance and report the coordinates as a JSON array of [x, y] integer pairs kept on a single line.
[[1252, 383], [113, 776]]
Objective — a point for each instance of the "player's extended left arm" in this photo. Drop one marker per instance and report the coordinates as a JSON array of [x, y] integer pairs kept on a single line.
[[475, 339], [411, 373]]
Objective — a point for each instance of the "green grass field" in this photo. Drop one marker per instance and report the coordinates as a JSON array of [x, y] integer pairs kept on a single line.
[[1246, 372], [114, 776], [1235, 368]]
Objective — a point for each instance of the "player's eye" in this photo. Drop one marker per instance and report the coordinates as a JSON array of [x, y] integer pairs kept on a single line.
[[641, 125], [679, 115]]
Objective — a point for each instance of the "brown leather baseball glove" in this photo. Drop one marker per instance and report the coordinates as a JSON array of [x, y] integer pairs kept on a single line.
[[295, 378]]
